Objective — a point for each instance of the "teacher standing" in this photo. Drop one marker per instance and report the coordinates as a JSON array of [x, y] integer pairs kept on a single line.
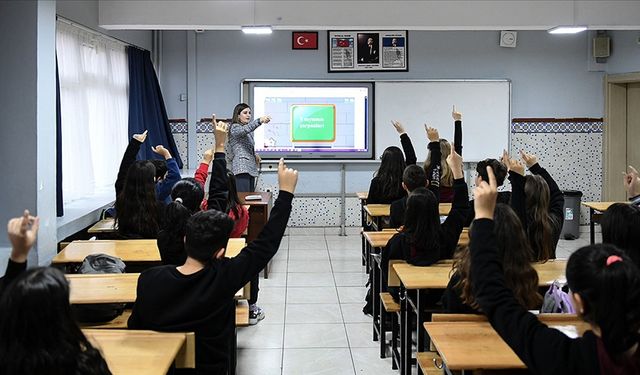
[[241, 152]]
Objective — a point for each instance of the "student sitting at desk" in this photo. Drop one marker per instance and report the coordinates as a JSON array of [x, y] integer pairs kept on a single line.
[[198, 295], [539, 203], [423, 240], [605, 288], [386, 185], [38, 334], [500, 171], [412, 178], [515, 253]]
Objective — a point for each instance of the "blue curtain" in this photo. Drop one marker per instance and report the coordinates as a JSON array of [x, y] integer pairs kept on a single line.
[[146, 106], [59, 201]]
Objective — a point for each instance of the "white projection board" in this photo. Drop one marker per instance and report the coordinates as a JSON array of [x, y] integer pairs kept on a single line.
[[485, 108]]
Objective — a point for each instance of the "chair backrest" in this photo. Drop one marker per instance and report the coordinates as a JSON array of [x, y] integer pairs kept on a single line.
[[392, 279]]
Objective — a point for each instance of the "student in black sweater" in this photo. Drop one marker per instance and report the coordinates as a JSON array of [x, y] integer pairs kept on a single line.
[[515, 254], [412, 178], [539, 203], [386, 186], [423, 240], [38, 334], [198, 296], [605, 287]]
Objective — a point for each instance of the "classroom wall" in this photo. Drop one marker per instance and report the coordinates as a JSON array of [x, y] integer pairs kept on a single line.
[[85, 12], [552, 77], [27, 94]]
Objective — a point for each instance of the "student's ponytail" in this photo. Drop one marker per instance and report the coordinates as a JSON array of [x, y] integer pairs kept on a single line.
[[176, 216], [187, 195], [608, 283]]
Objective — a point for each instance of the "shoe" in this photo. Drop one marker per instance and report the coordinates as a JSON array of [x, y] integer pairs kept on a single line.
[[256, 314]]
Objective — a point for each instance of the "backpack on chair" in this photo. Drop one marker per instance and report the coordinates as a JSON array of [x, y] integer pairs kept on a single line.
[[100, 312]]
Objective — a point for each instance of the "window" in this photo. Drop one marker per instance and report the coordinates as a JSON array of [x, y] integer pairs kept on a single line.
[[94, 101]]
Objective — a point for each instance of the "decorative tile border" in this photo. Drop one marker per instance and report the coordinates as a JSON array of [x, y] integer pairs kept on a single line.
[[557, 126], [179, 127], [204, 127]]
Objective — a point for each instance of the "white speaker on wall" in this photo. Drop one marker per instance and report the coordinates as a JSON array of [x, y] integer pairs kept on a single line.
[[508, 39]]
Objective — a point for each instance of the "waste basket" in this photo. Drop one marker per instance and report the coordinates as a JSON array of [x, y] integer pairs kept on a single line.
[[571, 225]]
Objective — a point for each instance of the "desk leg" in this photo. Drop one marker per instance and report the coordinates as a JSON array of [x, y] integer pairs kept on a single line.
[[403, 331], [592, 234], [375, 299], [420, 331]]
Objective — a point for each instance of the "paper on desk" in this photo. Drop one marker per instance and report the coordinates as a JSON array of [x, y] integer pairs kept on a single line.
[[570, 331]]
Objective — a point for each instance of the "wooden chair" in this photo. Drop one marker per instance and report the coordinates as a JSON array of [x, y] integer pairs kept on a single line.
[[389, 307]]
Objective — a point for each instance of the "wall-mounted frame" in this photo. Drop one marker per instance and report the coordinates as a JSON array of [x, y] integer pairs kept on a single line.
[[367, 51], [304, 40]]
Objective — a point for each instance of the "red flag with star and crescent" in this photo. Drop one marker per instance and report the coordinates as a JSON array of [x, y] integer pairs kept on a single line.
[[305, 40]]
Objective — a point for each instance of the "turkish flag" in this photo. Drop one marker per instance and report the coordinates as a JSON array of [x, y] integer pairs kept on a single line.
[[305, 40]]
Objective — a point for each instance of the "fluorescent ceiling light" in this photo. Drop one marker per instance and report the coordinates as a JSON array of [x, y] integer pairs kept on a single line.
[[257, 29], [567, 29]]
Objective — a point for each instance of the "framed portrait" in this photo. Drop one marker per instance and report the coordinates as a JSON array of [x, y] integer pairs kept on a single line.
[[367, 50]]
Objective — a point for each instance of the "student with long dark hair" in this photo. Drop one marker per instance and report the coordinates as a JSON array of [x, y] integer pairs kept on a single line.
[[37, 332], [620, 225], [605, 287], [539, 203], [386, 185], [515, 254], [241, 153], [500, 171], [423, 240]]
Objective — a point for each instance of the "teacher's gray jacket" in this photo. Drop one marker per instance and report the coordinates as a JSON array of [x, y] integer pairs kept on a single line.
[[241, 154]]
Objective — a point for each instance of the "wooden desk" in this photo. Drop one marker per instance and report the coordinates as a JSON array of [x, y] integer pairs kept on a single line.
[[444, 209], [421, 279], [596, 209], [258, 216], [476, 345], [362, 196], [103, 226], [127, 250], [103, 288], [137, 352]]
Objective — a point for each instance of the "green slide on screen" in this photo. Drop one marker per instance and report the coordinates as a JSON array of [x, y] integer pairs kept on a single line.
[[313, 123]]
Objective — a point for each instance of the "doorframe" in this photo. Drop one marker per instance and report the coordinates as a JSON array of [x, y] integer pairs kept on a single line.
[[614, 133]]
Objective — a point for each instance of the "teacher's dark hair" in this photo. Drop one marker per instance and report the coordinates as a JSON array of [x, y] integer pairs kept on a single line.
[[236, 112], [38, 334]]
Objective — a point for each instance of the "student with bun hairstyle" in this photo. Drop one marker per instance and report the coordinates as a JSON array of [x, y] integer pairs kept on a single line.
[[515, 254], [38, 334], [500, 171], [445, 183], [539, 203], [605, 287], [386, 185]]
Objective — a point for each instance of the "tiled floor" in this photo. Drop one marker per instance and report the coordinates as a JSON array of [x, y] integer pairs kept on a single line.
[[313, 300]]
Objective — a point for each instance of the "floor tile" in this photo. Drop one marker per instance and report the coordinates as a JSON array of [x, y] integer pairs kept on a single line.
[[312, 295], [367, 361], [275, 279], [274, 312], [352, 313], [309, 279], [268, 361], [351, 279], [351, 294], [315, 336], [317, 362], [271, 294], [316, 313], [261, 336], [309, 255], [310, 265], [347, 265], [360, 335]]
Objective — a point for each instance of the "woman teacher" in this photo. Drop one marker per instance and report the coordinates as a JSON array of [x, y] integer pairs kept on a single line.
[[241, 152]]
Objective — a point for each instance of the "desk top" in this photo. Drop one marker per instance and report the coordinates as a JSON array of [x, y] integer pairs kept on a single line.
[[376, 210], [381, 238], [437, 276], [127, 250], [476, 345], [137, 352], [103, 288], [103, 226], [600, 206]]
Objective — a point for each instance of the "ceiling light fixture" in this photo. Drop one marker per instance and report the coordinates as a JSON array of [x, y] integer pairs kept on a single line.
[[566, 29], [257, 29]]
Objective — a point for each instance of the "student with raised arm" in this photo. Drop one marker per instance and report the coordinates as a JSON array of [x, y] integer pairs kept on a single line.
[[38, 334], [445, 183], [605, 288], [386, 185], [539, 203], [198, 295], [241, 153]]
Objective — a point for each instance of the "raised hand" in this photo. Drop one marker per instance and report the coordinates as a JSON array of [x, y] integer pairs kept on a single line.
[[398, 126], [160, 150], [287, 177], [455, 163], [631, 182], [220, 131], [485, 195], [207, 156], [457, 116], [265, 119], [529, 159], [141, 137], [505, 158], [22, 232], [516, 166], [432, 133], [258, 159]]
